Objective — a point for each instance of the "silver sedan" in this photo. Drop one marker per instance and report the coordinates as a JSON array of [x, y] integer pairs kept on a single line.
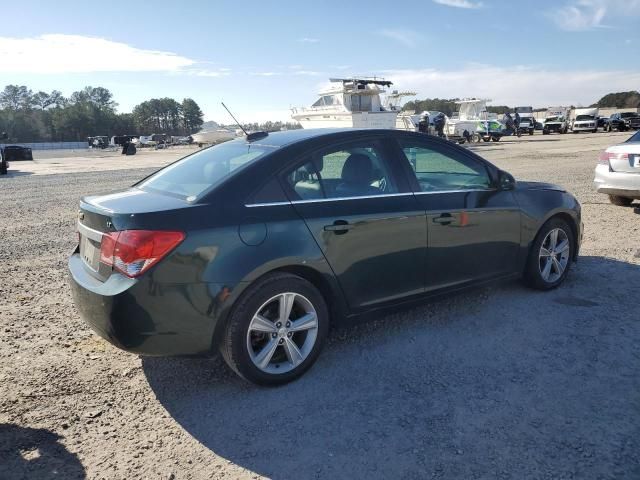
[[618, 172]]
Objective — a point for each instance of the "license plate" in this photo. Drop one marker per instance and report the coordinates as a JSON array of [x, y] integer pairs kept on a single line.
[[89, 253]]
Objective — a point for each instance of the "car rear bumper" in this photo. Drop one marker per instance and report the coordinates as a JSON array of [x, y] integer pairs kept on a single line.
[[146, 317], [617, 183]]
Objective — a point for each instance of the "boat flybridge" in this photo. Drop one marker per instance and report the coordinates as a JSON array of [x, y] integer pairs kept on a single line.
[[348, 102], [406, 120]]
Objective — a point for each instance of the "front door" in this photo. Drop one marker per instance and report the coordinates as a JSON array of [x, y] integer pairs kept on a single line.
[[361, 212], [473, 227]]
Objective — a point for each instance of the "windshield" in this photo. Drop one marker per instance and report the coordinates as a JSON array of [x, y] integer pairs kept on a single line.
[[192, 176], [551, 119], [584, 117], [628, 114]]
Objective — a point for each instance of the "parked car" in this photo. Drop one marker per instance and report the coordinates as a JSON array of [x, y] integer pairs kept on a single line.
[[623, 121], [618, 172], [255, 246], [603, 123], [17, 152], [4, 164]]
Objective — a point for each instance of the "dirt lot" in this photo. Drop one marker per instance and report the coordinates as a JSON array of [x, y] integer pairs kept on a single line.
[[501, 382]]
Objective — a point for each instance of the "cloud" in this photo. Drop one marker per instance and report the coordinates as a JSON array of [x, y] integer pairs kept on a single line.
[[407, 37], [310, 73], [221, 72], [58, 53], [516, 85], [459, 3], [583, 15], [265, 74], [308, 40]]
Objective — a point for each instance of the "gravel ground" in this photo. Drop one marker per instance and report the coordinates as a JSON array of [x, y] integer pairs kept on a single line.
[[500, 382]]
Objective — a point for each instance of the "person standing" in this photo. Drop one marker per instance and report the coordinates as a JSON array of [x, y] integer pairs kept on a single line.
[[423, 124], [438, 123]]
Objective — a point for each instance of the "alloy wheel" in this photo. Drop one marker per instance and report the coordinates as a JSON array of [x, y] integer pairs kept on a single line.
[[554, 255], [282, 333]]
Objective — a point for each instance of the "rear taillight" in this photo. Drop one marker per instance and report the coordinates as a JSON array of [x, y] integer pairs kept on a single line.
[[606, 157], [133, 252]]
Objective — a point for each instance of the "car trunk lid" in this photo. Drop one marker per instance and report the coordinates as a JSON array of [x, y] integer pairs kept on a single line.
[[624, 158]]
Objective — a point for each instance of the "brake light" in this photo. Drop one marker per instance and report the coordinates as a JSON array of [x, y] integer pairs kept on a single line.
[[606, 157], [132, 252]]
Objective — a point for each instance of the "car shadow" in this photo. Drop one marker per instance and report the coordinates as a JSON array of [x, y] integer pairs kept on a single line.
[[15, 173], [497, 382], [35, 453]]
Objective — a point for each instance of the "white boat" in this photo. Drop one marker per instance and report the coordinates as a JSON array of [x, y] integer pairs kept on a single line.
[[406, 120], [471, 111], [348, 102], [218, 135]]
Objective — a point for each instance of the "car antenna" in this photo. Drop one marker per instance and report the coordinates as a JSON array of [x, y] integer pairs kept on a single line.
[[234, 118]]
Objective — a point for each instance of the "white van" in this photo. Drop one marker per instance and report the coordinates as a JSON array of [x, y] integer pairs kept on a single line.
[[585, 120]]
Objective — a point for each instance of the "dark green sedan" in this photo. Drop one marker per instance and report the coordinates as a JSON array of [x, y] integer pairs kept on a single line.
[[256, 246]]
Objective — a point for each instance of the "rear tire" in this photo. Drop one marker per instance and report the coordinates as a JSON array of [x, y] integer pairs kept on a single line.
[[247, 344], [549, 261], [620, 201]]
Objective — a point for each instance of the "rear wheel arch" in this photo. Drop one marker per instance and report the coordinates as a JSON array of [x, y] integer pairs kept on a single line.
[[331, 294]]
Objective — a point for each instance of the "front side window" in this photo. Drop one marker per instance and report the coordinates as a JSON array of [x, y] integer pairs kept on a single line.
[[193, 176], [438, 172], [353, 170]]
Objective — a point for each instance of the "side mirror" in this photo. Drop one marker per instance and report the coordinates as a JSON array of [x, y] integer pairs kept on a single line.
[[506, 181]]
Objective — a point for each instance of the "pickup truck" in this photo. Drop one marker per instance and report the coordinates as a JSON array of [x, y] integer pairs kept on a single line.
[[623, 121]]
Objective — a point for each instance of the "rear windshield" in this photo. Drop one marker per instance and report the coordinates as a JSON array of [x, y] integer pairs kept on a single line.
[[635, 137], [194, 175]]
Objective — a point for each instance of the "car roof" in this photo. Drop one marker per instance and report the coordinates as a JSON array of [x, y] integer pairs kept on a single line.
[[281, 139]]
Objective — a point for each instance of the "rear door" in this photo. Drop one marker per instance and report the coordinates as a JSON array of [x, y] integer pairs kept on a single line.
[[473, 228], [360, 210]]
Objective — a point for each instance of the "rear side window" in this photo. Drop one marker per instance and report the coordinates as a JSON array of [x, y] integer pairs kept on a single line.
[[356, 169], [438, 172], [193, 176]]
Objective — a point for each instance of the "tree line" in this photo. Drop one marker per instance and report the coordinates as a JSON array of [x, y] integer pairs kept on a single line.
[[28, 116], [448, 106]]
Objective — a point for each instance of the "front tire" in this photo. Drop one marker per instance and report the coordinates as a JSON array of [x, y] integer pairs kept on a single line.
[[550, 256], [620, 201], [276, 331]]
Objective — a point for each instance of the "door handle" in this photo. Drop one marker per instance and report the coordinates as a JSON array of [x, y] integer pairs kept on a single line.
[[339, 227], [444, 219]]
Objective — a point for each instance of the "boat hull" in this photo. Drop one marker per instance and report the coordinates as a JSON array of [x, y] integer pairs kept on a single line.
[[347, 120]]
